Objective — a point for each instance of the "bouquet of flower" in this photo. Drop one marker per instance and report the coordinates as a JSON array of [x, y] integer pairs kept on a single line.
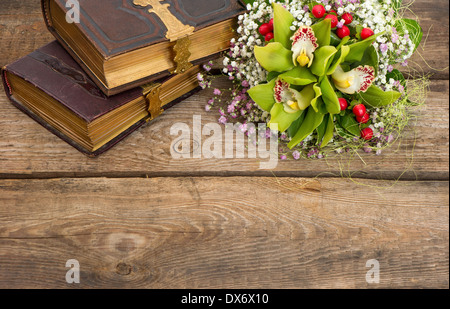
[[323, 73]]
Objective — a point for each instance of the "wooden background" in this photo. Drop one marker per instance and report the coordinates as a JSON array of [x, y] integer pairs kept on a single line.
[[136, 218]]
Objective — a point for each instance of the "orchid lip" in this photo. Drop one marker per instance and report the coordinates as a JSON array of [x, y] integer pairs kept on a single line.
[[357, 80], [292, 100], [285, 95], [303, 59], [304, 44]]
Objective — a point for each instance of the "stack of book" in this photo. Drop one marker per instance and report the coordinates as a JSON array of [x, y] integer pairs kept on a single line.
[[117, 64]]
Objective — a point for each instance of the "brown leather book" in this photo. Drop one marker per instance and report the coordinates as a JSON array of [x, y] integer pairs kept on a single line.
[[122, 44], [51, 88]]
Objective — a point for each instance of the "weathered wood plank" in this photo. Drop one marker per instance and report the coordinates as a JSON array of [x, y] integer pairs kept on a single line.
[[220, 232], [432, 55], [20, 7], [21, 34], [28, 150], [22, 30], [223, 233]]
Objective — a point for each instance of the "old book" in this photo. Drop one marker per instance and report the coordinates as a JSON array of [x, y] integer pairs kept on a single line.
[[122, 44], [52, 88]]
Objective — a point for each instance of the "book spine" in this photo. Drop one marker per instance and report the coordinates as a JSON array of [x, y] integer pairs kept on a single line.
[[46, 14], [6, 84]]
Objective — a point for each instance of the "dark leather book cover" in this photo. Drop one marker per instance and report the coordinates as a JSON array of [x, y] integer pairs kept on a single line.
[[52, 70], [120, 26], [117, 27]]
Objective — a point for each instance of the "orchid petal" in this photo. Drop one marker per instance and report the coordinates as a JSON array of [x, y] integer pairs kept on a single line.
[[342, 55], [283, 20], [356, 80], [282, 118], [286, 96], [311, 122], [321, 107], [281, 91], [304, 44], [299, 76], [274, 57], [263, 95], [322, 59], [322, 31], [292, 99], [305, 97], [329, 97], [315, 101]]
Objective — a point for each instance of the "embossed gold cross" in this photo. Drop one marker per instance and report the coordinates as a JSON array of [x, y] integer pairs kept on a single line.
[[175, 28]]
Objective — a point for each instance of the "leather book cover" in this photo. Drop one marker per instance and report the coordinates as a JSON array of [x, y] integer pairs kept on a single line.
[[53, 71], [118, 27]]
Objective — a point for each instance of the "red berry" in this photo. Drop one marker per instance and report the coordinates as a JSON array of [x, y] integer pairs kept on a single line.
[[364, 119], [269, 36], [271, 25], [367, 134], [348, 18], [318, 11], [264, 29], [359, 110], [333, 12], [334, 20], [343, 32], [366, 33], [343, 103]]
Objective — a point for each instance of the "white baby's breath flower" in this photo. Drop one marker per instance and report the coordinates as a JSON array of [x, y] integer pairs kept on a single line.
[[366, 13]]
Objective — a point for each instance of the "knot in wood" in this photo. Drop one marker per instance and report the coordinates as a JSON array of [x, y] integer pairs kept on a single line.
[[124, 269]]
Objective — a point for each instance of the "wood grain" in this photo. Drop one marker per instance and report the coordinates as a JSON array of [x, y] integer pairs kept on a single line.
[[22, 31], [28, 150], [223, 233], [223, 223], [432, 55]]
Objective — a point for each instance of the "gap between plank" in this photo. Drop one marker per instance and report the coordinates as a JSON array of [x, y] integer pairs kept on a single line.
[[434, 176]]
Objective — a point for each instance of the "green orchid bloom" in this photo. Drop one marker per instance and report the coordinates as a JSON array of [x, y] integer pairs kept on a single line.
[[303, 47], [311, 75], [356, 80]]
